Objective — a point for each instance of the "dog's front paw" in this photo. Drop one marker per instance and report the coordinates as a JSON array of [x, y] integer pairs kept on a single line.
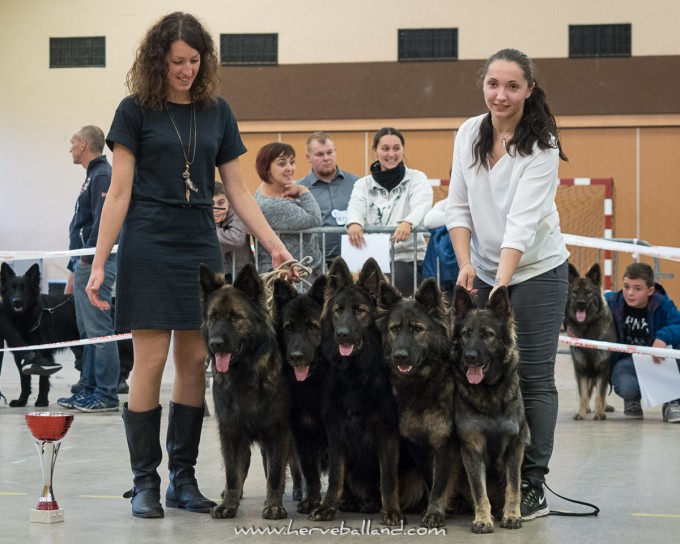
[[433, 519], [274, 512], [324, 513], [222, 511], [599, 417], [579, 417], [392, 518], [511, 522], [308, 505], [482, 527], [608, 408], [41, 402]]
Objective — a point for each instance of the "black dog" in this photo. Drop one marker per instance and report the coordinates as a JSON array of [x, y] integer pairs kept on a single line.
[[415, 340], [297, 321], [489, 412], [39, 319], [587, 315], [251, 393], [358, 407]]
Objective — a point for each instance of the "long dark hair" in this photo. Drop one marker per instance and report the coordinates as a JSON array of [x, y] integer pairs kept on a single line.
[[537, 124], [147, 79]]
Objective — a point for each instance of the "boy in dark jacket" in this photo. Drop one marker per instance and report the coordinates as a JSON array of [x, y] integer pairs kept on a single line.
[[644, 316]]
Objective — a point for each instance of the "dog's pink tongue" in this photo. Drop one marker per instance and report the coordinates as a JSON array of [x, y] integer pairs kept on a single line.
[[475, 374], [580, 316], [222, 361], [346, 349], [301, 372]]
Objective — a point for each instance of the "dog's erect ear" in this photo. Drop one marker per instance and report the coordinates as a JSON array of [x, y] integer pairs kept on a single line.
[[33, 275], [388, 295], [284, 292], [499, 303], [250, 283], [6, 274], [339, 277], [209, 281], [573, 273], [429, 295], [462, 302], [595, 274], [316, 291], [370, 277]]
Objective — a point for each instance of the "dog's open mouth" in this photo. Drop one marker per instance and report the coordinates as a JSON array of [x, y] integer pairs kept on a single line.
[[580, 316], [405, 369], [18, 307], [475, 374], [347, 349], [222, 361], [301, 372]]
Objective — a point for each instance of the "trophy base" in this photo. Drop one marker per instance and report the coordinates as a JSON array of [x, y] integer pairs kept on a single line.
[[47, 516]]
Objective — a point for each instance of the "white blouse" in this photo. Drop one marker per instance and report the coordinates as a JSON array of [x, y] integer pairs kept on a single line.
[[510, 206]]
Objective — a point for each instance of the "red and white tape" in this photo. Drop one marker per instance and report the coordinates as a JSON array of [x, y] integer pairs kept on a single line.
[[624, 348], [72, 343]]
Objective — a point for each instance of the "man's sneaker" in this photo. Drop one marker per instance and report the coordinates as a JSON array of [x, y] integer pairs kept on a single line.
[[632, 409], [533, 503], [33, 363], [67, 402], [671, 411], [94, 404]]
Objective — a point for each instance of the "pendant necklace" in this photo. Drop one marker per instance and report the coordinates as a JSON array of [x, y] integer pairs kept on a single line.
[[505, 140], [190, 186]]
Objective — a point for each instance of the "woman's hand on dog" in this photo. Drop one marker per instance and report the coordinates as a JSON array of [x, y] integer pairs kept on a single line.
[[466, 276]]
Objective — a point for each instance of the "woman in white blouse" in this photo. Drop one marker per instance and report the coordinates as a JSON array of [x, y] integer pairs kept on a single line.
[[505, 230]]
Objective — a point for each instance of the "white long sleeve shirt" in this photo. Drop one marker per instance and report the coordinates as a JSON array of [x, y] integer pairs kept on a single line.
[[371, 205], [510, 206]]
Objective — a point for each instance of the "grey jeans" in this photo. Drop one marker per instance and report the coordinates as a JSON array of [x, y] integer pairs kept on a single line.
[[538, 304]]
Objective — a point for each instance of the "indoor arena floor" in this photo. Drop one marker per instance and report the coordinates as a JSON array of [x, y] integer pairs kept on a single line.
[[629, 469]]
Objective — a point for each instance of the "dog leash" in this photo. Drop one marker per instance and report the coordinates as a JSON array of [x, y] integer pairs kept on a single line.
[[50, 310], [594, 512], [283, 271]]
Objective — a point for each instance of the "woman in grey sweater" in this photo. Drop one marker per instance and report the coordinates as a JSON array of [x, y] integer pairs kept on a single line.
[[285, 205]]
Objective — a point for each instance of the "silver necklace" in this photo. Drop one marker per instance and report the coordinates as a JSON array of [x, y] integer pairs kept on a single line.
[[190, 186]]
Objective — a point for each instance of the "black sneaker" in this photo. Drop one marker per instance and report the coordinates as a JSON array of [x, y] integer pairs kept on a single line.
[[35, 364], [533, 504], [632, 409]]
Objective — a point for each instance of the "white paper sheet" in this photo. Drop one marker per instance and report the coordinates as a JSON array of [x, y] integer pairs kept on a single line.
[[659, 383], [377, 246]]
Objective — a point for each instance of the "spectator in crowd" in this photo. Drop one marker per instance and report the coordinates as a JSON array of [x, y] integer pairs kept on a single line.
[[644, 315], [330, 186], [393, 195], [100, 370], [286, 206], [232, 235]]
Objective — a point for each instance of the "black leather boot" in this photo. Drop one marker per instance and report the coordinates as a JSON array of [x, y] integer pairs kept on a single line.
[[184, 434], [142, 430]]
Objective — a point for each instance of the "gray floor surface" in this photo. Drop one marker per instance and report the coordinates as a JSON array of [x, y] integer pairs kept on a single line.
[[628, 468]]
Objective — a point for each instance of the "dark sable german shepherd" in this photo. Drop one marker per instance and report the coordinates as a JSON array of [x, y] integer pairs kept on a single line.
[[415, 342], [358, 407], [39, 319], [297, 321], [489, 412], [251, 393], [587, 315]]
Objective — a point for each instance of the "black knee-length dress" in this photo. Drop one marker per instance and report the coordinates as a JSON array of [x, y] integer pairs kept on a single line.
[[164, 236]]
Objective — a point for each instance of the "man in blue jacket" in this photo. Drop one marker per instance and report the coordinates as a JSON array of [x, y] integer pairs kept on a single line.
[[101, 364], [644, 316]]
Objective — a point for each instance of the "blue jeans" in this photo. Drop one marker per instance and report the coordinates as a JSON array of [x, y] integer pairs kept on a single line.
[[538, 304], [101, 366], [624, 379]]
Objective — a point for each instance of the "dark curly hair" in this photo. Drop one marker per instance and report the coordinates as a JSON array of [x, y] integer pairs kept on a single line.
[[537, 124], [147, 79]]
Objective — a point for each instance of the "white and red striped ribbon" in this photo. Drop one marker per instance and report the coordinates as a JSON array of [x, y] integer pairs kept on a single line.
[[72, 343], [624, 348]]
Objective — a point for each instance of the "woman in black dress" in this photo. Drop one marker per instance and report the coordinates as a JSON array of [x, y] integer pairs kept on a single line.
[[167, 138]]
